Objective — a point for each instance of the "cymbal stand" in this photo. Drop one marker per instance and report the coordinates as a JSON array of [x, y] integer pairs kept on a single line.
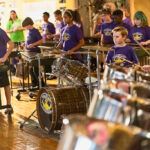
[[89, 75], [98, 70]]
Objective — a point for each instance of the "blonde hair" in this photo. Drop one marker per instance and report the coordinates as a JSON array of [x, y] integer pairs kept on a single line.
[[109, 5], [122, 30]]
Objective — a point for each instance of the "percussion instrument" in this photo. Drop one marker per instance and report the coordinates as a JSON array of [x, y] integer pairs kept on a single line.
[[53, 104], [99, 48], [71, 71], [82, 132], [111, 105], [117, 73]]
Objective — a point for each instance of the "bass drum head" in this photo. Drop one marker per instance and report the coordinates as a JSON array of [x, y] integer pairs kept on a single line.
[[44, 110]]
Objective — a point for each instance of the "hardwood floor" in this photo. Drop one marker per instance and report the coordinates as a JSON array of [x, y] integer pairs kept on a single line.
[[31, 137]]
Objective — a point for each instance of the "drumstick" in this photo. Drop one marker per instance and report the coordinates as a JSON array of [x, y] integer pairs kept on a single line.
[[130, 62], [143, 47]]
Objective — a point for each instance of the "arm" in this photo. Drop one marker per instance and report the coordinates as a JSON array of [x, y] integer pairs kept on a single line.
[[145, 43], [81, 43], [11, 46], [35, 43]]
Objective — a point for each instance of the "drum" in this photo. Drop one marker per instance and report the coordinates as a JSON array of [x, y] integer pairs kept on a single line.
[[111, 105], [117, 73], [72, 71], [53, 104], [82, 132]]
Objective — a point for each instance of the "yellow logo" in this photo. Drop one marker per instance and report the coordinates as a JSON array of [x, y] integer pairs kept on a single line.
[[137, 36]]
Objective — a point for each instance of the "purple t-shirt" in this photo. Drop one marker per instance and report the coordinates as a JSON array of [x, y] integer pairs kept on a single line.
[[106, 30], [98, 28], [140, 34], [80, 26], [48, 28], [32, 37], [3, 42], [70, 37], [59, 27], [128, 22], [125, 52]]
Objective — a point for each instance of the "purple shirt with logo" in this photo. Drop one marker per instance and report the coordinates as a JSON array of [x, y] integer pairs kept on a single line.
[[106, 30], [32, 37], [98, 28], [128, 22], [3, 42], [140, 34], [59, 27], [48, 28], [70, 37], [125, 52]]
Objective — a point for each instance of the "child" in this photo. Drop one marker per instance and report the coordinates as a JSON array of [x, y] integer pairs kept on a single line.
[[118, 19], [107, 27], [126, 17], [47, 28], [121, 50], [77, 20], [140, 31], [97, 26], [33, 40], [71, 37], [4, 53], [59, 25]]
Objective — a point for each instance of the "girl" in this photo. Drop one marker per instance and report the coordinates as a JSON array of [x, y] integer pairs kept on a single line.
[[71, 38], [140, 31], [77, 20], [126, 17], [97, 26]]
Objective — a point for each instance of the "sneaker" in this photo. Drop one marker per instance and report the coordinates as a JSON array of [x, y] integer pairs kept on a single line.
[[9, 111]]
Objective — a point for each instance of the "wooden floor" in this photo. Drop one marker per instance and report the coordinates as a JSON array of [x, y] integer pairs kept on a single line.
[[31, 137]]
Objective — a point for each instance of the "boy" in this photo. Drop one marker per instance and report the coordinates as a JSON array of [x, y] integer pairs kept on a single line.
[[59, 25], [34, 39], [107, 27], [47, 28], [121, 51], [118, 19], [4, 53]]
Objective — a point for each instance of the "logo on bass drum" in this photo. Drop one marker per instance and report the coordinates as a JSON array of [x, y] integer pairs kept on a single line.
[[46, 103]]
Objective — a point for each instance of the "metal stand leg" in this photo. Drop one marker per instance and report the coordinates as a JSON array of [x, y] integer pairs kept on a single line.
[[23, 123], [39, 64], [98, 71], [89, 75]]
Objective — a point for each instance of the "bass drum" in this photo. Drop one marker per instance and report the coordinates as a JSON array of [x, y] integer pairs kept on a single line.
[[53, 104]]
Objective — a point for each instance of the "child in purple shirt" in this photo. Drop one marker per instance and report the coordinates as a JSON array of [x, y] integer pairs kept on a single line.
[[140, 31], [121, 52], [4, 53], [34, 39], [47, 28], [71, 37], [107, 27]]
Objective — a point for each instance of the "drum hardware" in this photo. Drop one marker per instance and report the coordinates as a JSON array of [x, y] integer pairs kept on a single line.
[[96, 134]]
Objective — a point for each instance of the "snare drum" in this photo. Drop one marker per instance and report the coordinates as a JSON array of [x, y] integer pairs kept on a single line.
[[117, 73], [82, 132], [53, 104], [70, 70]]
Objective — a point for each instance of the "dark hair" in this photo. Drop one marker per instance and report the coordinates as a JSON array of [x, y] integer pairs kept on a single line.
[[46, 13], [77, 17], [69, 13], [106, 11], [57, 12], [118, 12], [27, 21], [13, 12]]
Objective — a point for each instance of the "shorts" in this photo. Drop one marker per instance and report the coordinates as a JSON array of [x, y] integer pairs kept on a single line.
[[4, 81]]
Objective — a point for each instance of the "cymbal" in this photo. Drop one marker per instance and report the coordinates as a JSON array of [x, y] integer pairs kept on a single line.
[[100, 48]]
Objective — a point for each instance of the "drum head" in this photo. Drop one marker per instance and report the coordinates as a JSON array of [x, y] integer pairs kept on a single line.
[[44, 110]]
